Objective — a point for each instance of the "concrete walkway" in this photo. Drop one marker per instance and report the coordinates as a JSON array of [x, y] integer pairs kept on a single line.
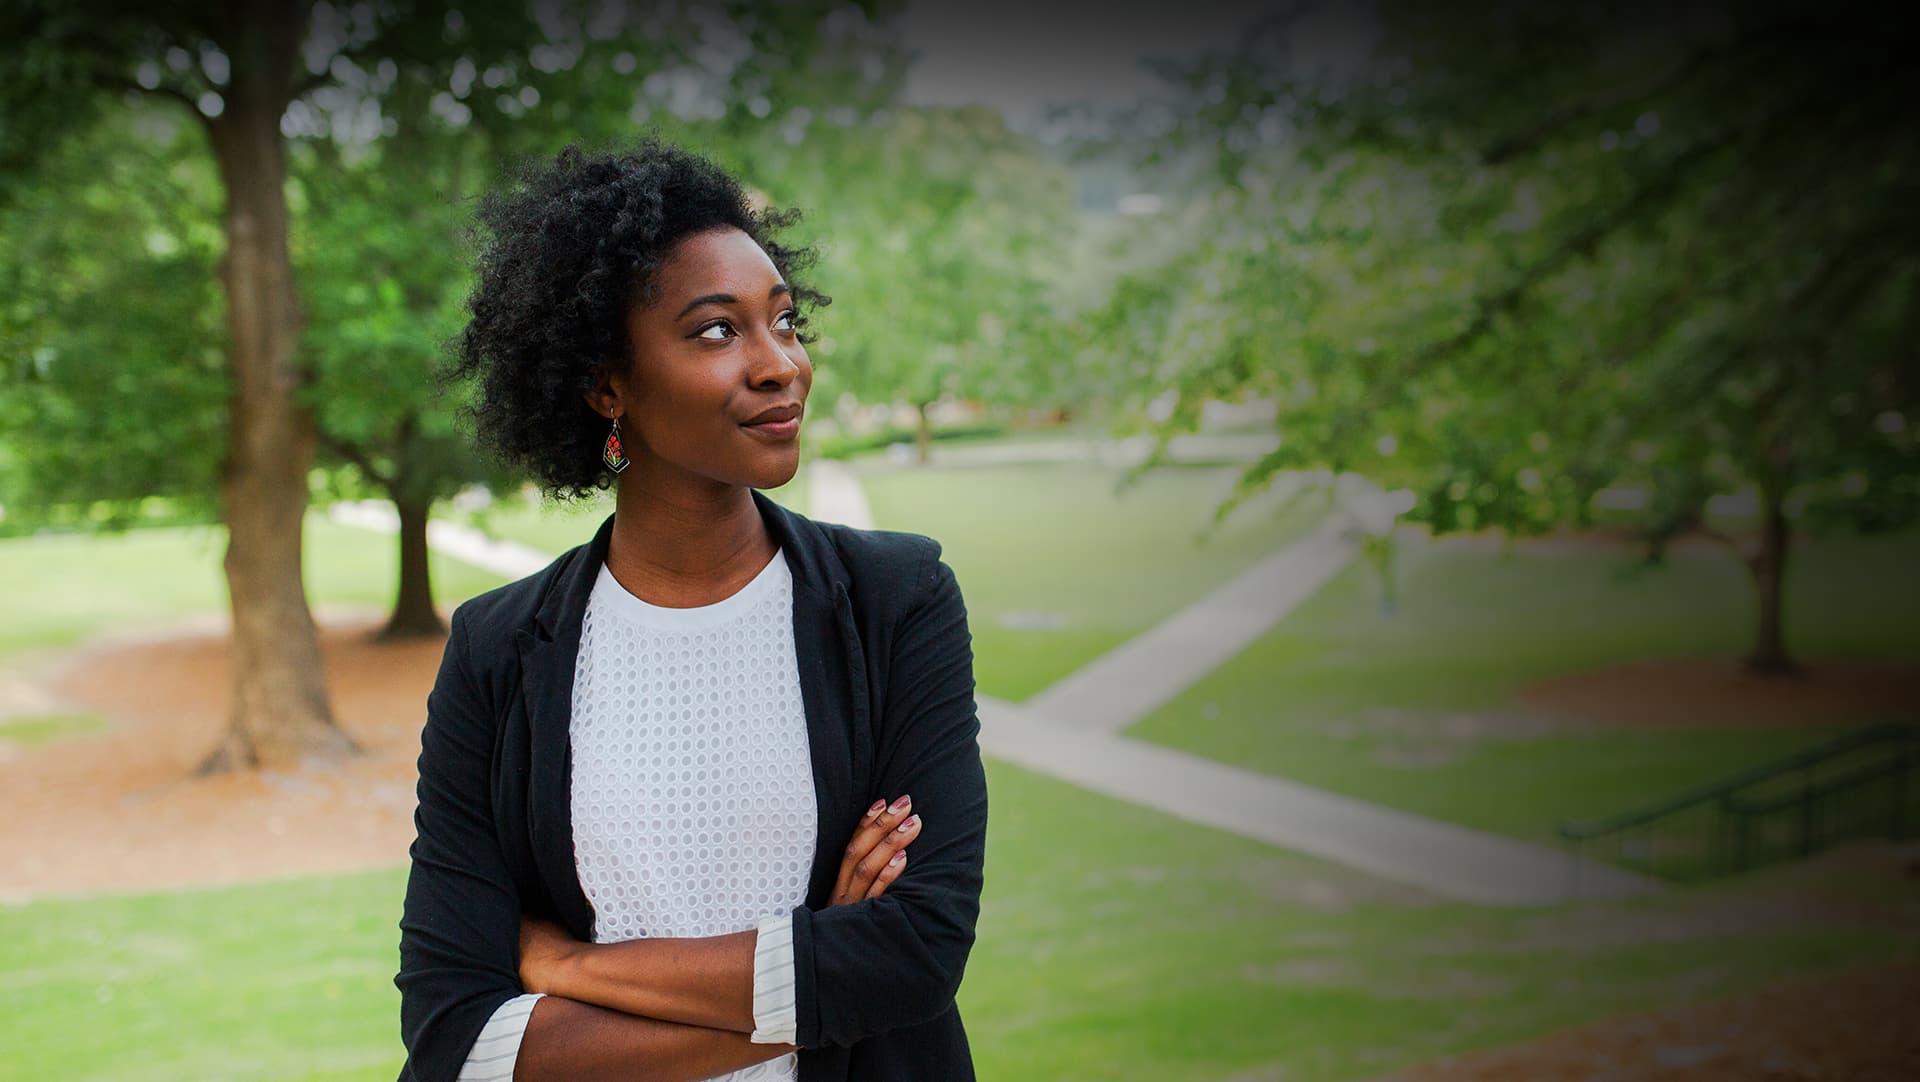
[[1140, 676], [1452, 861], [509, 559], [834, 495], [1071, 731]]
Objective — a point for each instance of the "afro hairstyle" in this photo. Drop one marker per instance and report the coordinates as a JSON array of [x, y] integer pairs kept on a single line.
[[566, 248]]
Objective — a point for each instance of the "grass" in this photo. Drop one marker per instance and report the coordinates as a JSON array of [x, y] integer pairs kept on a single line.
[[1114, 943], [556, 527], [65, 588], [1058, 567], [1415, 709], [40, 728]]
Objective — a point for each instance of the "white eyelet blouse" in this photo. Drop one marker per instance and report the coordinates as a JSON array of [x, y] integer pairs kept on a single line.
[[692, 794]]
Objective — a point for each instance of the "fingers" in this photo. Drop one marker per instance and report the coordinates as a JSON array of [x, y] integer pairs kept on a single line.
[[868, 864], [889, 872], [874, 827]]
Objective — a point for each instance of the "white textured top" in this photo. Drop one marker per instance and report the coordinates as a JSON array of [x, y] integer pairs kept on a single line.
[[692, 794]]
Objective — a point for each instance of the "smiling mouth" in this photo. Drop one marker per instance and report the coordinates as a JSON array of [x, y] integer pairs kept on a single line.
[[775, 429]]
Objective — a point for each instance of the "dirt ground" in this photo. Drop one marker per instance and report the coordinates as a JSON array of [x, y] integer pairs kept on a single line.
[[1861, 1026], [1695, 693], [119, 809]]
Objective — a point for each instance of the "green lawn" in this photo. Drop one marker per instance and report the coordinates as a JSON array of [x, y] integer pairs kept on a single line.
[[64, 588], [1414, 709], [1058, 567], [556, 527], [1114, 943]]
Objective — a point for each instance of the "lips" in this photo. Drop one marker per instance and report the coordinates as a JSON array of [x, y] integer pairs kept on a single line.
[[780, 424], [778, 413]]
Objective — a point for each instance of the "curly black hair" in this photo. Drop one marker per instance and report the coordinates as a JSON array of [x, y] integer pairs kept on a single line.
[[575, 242]]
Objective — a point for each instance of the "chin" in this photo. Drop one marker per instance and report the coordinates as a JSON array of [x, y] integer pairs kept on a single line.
[[773, 474]]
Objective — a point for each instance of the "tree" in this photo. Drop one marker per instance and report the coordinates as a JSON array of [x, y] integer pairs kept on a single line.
[[1513, 257], [112, 386], [234, 69], [945, 242], [249, 78]]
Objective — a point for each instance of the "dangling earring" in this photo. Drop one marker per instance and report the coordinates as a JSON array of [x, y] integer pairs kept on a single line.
[[615, 459]]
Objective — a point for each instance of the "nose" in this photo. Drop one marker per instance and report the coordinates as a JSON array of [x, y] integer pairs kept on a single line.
[[774, 367]]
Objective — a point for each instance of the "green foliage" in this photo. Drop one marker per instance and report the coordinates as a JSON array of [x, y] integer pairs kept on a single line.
[[1515, 257], [113, 374], [941, 234]]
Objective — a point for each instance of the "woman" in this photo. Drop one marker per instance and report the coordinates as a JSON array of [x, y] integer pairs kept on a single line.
[[666, 782]]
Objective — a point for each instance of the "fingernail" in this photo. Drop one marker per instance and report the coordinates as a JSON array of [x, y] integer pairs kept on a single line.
[[875, 810], [898, 857], [907, 823], [901, 804]]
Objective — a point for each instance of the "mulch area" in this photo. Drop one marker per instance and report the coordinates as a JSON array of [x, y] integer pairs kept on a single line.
[[1862, 1026], [120, 810], [1720, 692]]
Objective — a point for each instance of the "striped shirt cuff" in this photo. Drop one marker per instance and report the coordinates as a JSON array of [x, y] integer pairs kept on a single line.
[[774, 1017], [494, 1052]]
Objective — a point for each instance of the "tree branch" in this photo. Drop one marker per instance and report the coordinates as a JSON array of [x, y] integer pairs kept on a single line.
[[1689, 68], [120, 83], [360, 458]]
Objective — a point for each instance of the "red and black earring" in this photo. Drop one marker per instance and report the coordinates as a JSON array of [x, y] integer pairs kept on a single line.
[[612, 455]]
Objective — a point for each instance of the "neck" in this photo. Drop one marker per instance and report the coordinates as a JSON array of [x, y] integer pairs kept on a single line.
[[683, 547]]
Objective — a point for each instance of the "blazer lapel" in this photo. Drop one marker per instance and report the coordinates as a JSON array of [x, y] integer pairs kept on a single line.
[[833, 686], [548, 654]]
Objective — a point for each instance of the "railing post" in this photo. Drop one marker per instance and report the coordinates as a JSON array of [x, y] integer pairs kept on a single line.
[[1806, 812], [1899, 823]]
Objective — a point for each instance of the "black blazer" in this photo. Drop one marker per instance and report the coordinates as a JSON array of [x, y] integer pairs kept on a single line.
[[886, 677]]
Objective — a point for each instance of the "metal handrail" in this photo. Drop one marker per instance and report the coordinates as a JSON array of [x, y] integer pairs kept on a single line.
[[1852, 778], [1723, 789]]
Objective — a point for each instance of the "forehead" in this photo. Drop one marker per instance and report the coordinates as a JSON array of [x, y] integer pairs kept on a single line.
[[714, 261]]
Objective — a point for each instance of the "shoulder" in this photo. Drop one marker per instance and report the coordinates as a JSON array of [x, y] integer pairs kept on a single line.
[[493, 616], [889, 572]]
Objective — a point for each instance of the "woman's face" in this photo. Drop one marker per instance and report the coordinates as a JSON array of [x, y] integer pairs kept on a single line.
[[715, 349]]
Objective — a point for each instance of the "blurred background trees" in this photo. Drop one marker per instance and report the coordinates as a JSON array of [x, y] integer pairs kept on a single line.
[[1546, 266], [1523, 269]]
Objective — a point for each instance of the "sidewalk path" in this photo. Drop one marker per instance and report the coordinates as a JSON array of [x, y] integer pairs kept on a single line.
[[834, 495], [1071, 731], [509, 559], [1138, 677], [1450, 860]]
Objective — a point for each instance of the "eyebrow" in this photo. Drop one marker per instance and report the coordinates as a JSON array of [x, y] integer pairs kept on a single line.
[[728, 298]]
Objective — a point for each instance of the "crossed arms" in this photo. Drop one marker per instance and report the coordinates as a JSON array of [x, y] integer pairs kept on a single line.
[[682, 1008]]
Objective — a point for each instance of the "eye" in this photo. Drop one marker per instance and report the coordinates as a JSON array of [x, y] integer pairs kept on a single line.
[[788, 318], [714, 326]]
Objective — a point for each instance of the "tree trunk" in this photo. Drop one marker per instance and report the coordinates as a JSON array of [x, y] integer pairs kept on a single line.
[[413, 613], [923, 433], [1768, 567], [279, 713]]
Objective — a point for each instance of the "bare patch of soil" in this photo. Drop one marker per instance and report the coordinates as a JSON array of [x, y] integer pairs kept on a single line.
[[120, 810], [1719, 692], [1862, 1025]]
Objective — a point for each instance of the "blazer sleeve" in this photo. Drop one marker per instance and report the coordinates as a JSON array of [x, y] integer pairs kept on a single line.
[[460, 924], [893, 961]]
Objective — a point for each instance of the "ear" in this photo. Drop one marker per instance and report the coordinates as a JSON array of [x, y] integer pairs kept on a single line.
[[607, 395]]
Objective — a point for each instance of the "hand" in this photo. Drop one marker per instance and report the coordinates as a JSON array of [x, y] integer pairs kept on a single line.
[[545, 949], [877, 854]]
